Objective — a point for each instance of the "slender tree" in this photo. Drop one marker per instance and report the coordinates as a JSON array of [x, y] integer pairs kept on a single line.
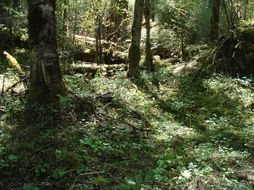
[[245, 10], [65, 15], [148, 57], [116, 28], [45, 77], [215, 20], [98, 33], [134, 51]]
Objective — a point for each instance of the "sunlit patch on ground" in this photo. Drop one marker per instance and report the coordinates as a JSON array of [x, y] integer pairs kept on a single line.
[[198, 132]]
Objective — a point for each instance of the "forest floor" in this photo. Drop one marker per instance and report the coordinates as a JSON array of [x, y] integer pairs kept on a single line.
[[166, 130]]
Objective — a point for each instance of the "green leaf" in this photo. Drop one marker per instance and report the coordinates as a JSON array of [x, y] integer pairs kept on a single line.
[[12, 157], [99, 180], [30, 187], [58, 173]]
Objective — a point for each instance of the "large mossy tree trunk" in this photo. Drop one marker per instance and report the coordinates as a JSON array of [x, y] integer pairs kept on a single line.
[[148, 58], [134, 51], [215, 20], [45, 77]]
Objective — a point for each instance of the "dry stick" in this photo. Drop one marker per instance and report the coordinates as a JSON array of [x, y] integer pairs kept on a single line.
[[84, 174], [43, 148], [15, 84], [22, 177], [116, 180], [122, 121], [3, 86], [244, 85]]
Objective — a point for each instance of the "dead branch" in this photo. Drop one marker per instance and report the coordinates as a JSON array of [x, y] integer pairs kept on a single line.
[[134, 128], [84, 174], [21, 177], [2, 93], [15, 84]]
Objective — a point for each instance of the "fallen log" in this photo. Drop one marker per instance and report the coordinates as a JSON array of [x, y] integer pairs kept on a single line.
[[86, 40], [109, 56], [112, 52], [164, 53], [91, 69]]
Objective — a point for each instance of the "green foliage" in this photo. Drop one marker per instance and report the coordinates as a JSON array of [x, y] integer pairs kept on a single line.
[[189, 17], [181, 127], [29, 187], [13, 25], [199, 132]]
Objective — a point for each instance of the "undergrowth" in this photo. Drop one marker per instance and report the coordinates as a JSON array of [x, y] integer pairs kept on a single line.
[[193, 131]]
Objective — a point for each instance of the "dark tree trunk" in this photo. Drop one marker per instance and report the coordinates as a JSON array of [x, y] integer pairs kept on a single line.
[[134, 51], [45, 77], [215, 20], [183, 46], [148, 58]]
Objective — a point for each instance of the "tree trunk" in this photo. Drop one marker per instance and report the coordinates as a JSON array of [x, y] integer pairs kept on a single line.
[[98, 32], [245, 13], [148, 58], [215, 20], [134, 51], [183, 46], [65, 18], [75, 24], [99, 52], [45, 77]]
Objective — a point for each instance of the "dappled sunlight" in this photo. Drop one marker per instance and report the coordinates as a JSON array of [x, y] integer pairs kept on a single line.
[[126, 95]]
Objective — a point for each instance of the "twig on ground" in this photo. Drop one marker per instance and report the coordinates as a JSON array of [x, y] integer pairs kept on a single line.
[[15, 84], [242, 84], [134, 128], [22, 177], [84, 174], [2, 93], [43, 148], [116, 180]]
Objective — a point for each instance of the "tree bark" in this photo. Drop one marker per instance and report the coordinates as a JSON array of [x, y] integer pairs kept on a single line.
[[65, 18], [215, 20], [134, 51], [45, 77], [99, 51], [148, 58], [75, 24]]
